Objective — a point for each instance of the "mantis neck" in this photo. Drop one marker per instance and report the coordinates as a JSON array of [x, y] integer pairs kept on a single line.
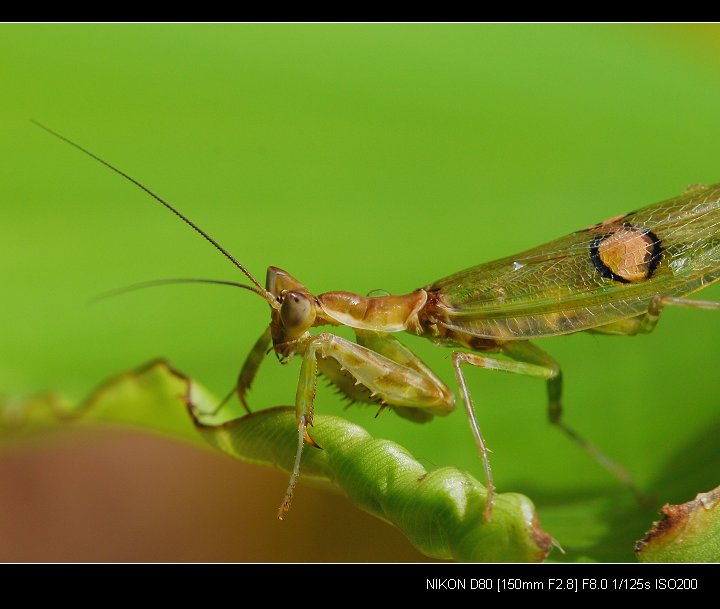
[[377, 313]]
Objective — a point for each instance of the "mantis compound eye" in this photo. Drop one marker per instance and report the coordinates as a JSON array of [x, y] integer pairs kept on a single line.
[[297, 312]]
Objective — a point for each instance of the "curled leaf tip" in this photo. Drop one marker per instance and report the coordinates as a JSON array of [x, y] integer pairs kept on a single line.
[[689, 532]]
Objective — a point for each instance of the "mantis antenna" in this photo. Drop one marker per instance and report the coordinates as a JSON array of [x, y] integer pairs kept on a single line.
[[260, 290], [159, 282]]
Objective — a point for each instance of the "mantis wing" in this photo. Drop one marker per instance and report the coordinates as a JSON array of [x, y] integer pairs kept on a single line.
[[603, 273]]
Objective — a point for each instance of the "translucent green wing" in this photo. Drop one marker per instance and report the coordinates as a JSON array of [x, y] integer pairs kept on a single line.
[[592, 277]]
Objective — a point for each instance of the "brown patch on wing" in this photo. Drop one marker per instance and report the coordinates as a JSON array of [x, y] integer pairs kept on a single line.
[[692, 188], [627, 254], [607, 223]]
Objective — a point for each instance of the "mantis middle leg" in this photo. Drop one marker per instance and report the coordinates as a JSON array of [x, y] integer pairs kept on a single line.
[[528, 360]]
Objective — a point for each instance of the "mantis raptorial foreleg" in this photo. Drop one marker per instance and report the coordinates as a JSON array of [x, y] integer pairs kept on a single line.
[[389, 346], [248, 371], [528, 360], [395, 377], [250, 367]]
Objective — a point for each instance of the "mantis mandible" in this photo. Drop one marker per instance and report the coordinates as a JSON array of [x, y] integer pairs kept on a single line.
[[614, 277]]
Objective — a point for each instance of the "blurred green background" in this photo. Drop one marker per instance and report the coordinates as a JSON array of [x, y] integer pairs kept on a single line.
[[356, 157]]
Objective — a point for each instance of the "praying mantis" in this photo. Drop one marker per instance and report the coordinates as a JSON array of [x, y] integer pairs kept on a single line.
[[614, 277]]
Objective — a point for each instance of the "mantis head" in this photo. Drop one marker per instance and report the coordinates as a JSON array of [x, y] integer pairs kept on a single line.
[[296, 309]]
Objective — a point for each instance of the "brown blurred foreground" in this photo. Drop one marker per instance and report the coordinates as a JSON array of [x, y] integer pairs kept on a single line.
[[113, 495]]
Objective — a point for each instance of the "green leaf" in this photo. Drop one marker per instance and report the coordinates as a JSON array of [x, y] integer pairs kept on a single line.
[[689, 532], [440, 511]]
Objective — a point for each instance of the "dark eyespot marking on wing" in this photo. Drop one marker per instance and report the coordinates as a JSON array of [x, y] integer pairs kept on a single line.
[[627, 255]]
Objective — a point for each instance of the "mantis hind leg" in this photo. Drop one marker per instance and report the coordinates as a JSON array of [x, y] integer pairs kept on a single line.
[[527, 360], [645, 323], [657, 304], [528, 352]]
